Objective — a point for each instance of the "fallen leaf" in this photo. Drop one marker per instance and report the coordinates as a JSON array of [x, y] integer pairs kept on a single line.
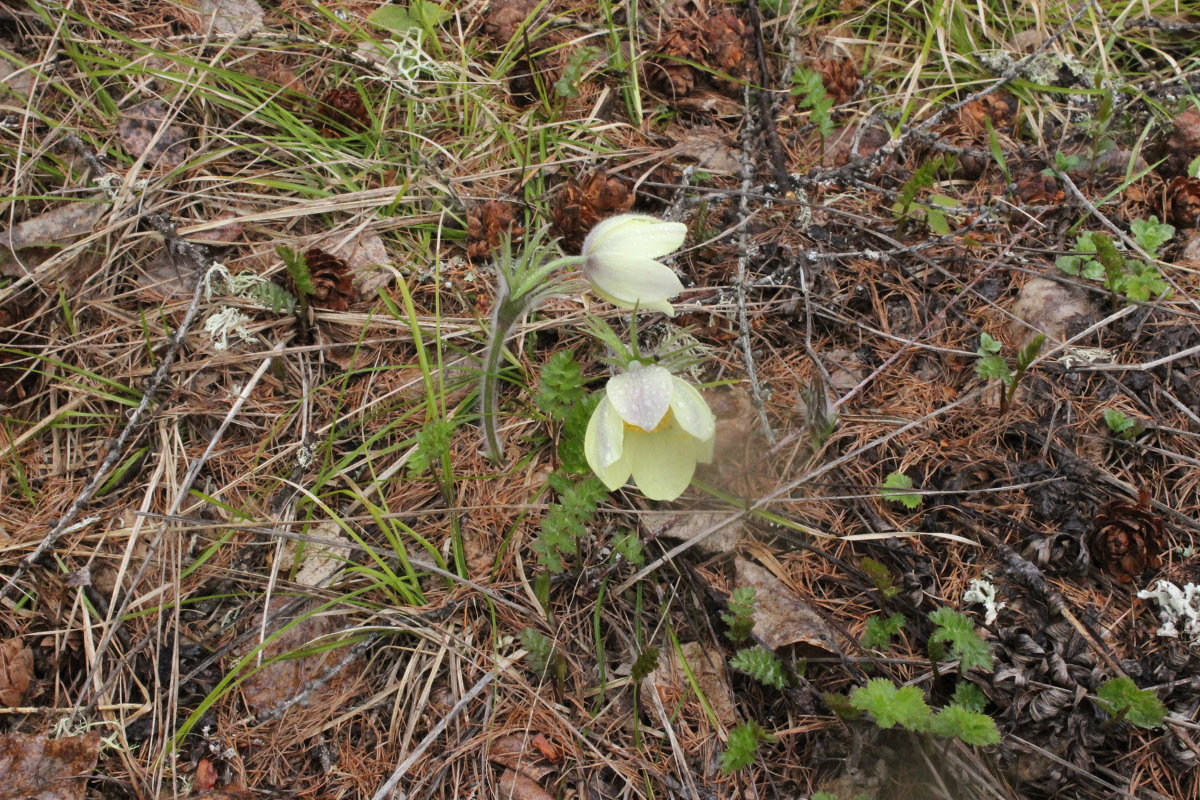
[[515, 786], [144, 131], [230, 17], [37, 768], [368, 260], [168, 275], [54, 227], [206, 775], [707, 666], [689, 525], [517, 752], [708, 146], [780, 616], [16, 672], [1053, 308], [320, 561]]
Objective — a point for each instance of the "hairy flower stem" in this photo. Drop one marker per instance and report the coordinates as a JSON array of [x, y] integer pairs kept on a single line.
[[522, 288]]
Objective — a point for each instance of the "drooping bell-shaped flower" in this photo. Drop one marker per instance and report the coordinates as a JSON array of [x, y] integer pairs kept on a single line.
[[619, 261], [653, 426]]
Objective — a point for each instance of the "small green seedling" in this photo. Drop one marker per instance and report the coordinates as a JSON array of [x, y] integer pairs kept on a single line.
[[991, 365], [1121, 698], [742, 746], [762, 665], [740, 618], [895, 489], [1121, 425], [809, 89], [880, 630], [1097, 257], [957, 630]]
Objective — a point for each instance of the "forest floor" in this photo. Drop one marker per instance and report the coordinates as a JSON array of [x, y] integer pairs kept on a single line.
[[942, 290]]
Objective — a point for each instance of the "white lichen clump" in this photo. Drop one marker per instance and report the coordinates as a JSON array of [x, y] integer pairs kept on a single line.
[[983, 592], [226, 322], [1176, 606]]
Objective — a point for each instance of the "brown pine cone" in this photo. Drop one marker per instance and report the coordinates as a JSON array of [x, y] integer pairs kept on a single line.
[[1183, 145], [332, 281], [839, 75], [1127, 540], [487, 224], [503, 17], [343, 106], [1039, 190], [1183, 201], [724, 44], [585, 201], [665, 72]]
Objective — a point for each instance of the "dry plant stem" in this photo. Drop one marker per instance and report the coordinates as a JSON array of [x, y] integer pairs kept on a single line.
[[116, 447], [386, 791], [756, 393]]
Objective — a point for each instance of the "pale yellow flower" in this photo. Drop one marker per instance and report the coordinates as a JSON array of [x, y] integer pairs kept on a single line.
[[619, 261], [652, 426]]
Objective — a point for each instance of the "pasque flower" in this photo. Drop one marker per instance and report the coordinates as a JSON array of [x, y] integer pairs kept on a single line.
[[619, 261], [653, 426]]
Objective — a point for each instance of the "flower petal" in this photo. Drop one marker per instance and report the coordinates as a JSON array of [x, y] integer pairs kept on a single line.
[[603, 441], [634, 235], [630, 280], [691, 410], [641, 396], [662, 462], [661, 305]]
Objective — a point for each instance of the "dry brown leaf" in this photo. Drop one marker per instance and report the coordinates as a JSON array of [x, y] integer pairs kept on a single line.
[[687, 526], [368, 260], [515, 786], [319, 561], [37, 768], [1053, 308], [709, 146], [16, 671], [519, 753], [671, 682], [53, 227], [206, 775], [167, 275], [780, 616], [141, 124], [230, 17]]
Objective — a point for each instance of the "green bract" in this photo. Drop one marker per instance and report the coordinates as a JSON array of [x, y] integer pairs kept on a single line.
[[619, 261], [652, 426]]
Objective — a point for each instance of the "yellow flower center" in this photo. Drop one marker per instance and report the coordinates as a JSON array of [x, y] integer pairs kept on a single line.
[[662, 423]]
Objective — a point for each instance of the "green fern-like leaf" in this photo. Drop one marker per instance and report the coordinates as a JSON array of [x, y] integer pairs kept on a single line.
[[762, 665], [540, 649], [561, 385], [432, 443], [1150, 234], [565, 522], [890, 705], [971, 727], [571, 434], [628, 546], [958, 631], [1140, 707], [740, 618], [297, 267], [879, 631], [922, 178], [969, 696], [742, 746], [881, 577], [1029, 352], [895, 489], [647, 662], [269, 295]]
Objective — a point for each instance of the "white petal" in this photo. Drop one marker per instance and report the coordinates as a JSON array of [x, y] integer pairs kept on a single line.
[[603, 441], [691, 411], [631, 279], [634, 235], [615, 475], [661, 305], [641, 396], [663, 462]]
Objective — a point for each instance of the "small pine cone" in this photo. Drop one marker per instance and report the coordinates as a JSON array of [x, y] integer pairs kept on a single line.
[[1000, 109], [1039, 190], [1127, 540], [503, 17], [1183, 201], [487, 224], [343, 106], [665, 73], [724, 44], [584, 202], [1183, 145], [839, 75], [332, 281]]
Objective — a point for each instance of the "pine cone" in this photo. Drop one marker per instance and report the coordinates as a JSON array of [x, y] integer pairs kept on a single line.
[[343, 106], [1039, 190], [667, 75], [1183, 145], [487, 224], [584, 202], [1183, 201], [840, 76], [332, 280], [1000, 109], [1127, 540], [724, 43], [503, 17]]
